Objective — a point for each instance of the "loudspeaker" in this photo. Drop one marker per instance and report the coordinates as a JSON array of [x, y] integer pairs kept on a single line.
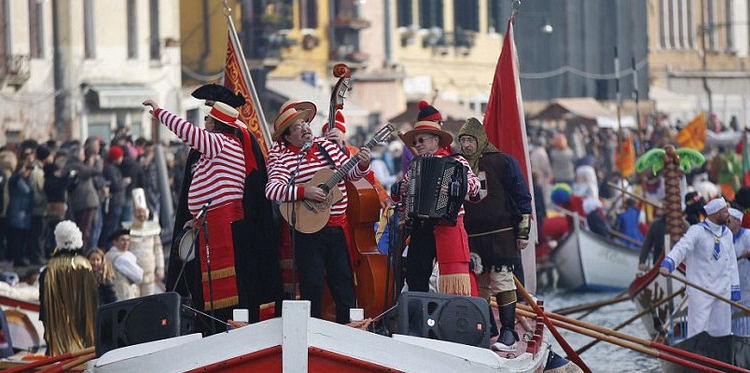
[[136, 321], [445, 317]]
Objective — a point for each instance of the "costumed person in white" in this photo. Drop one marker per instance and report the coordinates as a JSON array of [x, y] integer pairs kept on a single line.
[[741, 324], [127, 271], [710, 261], [145, 244]]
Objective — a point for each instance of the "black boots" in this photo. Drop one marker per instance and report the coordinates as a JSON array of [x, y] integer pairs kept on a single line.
[[508, 337]]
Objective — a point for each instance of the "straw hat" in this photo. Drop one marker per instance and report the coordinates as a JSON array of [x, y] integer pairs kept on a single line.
[[289, 113], [432, 128], [224, 114]]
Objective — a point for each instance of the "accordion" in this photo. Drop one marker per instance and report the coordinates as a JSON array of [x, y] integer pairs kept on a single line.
[[427, 177]]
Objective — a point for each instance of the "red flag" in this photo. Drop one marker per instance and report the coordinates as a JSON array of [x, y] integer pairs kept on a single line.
[[504, 121], [505, 125], [237, 78]]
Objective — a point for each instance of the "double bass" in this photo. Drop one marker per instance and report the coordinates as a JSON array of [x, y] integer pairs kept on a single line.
[[369, 265]]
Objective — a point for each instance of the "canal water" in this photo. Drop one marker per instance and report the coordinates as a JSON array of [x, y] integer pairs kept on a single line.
[[604, 357]]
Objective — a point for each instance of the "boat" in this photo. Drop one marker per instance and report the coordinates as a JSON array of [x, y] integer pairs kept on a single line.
[[587, 261], [298, 343], [663, 304]]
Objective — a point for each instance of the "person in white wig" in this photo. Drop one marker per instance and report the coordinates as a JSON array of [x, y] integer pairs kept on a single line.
[[68, 295]]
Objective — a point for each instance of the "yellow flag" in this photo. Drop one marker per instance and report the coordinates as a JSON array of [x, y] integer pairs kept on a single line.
[[625, 160], [694, 134]]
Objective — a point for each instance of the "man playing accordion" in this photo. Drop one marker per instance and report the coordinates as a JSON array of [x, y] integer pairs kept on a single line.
[[437, 238]]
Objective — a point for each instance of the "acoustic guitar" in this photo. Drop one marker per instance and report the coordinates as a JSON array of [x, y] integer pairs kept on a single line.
[[312, 216]]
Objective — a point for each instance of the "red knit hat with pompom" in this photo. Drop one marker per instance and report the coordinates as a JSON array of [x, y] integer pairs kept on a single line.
[[428, 112], [339, 123]]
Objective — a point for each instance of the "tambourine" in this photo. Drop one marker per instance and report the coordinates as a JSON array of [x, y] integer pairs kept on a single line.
[[185, 242]]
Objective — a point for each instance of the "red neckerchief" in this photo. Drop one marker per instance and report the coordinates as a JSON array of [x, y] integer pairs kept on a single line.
[[310, 154], [443, 152]]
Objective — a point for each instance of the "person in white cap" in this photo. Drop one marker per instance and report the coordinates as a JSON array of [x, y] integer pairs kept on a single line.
[[741, 325], [708, 251]]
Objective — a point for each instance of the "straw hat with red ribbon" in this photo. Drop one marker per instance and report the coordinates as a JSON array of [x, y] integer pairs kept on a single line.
[[289, 113]]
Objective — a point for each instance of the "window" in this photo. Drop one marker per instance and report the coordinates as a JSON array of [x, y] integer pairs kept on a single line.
[[711, 20], [431, 13], [730, 19], [466, 15], [404, 13], [36, 29], [308, 14], [495, 16], [132, 29], [677, 25], [88, 29], [154, 46], [4, 34]]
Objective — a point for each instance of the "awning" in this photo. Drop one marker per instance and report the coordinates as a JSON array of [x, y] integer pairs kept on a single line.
[[626, 121], [118, 96]]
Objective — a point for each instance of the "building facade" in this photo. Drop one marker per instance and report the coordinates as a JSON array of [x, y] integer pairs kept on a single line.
[[70, 69], [698, 54]]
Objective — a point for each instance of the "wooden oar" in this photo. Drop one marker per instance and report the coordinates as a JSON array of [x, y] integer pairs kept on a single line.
[[640, 341], [50, 360], [585, 307], [709, 292], [625, 237], [644, 200], [635, 317], [648, 351], [563, 343], [67, 364]]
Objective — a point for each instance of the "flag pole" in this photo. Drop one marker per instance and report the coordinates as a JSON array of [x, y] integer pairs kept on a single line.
[[639, 149], [619, 127], [246, 74]]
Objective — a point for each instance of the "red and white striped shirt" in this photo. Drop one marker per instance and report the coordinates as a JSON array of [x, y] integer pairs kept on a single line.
[[282, 161], [219, 174]]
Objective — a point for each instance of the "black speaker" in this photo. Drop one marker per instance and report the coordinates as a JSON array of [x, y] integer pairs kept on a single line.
[[136, 321], [445, 317]]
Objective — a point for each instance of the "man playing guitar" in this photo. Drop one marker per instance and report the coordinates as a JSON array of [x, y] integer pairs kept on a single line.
[[295, 157]]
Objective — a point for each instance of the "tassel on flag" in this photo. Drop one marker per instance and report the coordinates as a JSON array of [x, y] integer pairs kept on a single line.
[[505, 125], [238, 79]]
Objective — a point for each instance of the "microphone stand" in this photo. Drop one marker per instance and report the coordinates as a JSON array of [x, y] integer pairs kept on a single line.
[[293, 231], [203, 224]]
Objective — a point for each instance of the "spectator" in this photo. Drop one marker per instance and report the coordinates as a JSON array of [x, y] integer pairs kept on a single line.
[[105, 276], [627, 224], [127, 271]]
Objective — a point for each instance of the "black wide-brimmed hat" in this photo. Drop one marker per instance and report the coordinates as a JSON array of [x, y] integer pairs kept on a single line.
[[215, 92]]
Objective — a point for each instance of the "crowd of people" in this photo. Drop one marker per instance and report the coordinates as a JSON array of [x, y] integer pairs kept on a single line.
[[226, 193]]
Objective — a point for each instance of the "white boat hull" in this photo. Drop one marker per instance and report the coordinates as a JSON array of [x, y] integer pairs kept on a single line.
[[298, 343], [586, 261]]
